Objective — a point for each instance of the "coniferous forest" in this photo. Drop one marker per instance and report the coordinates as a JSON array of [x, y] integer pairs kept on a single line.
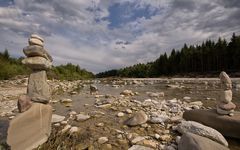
[[208, 58]]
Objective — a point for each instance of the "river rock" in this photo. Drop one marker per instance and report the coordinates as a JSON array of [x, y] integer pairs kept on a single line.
[[159, 119], [229, 106], [35, 41], [228, 126], [138, 139], [57, 118], [102, 140], [81, 117], [148, 143], [191, 141], [139, 147], [137, 119], [221, 111], [127, 93], [66, 100], [38, 89], [197, 103], [73, 130], [66, 128], [35, 36], [37, 63], [35, 50], [30, 129], [225, 81], [93, 89], [120, 114], [226, 96], [24, 103], [202, 130], [158, 94]]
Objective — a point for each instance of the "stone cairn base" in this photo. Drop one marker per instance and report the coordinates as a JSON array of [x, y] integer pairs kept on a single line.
[[32, 126], [225, 106]]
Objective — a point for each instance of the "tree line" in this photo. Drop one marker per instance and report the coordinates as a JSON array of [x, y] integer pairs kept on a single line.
[[11, 67], [208, 57]]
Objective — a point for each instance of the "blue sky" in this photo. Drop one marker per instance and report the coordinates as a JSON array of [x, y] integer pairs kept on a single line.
[[104, 34]]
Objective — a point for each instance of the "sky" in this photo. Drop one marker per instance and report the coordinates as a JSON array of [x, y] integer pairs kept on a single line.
[[100, 35]]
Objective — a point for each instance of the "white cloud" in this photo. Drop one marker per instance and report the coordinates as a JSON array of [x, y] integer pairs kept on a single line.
[[76, 32]]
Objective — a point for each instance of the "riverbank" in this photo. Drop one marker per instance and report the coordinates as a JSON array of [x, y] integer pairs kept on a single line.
[[108, 109]]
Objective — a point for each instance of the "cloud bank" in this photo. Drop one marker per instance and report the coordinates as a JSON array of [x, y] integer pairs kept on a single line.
[[104, 34]]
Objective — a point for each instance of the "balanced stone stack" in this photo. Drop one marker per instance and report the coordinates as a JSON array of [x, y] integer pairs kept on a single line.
[[38, 60], [32, 126], [225, 106]]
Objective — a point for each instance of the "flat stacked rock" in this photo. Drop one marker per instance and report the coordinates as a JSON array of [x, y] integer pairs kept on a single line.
[[225, 106], [37, 57], [32, 127]]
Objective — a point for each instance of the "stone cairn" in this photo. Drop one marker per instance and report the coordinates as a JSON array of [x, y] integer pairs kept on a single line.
[[225, 106], [38, 60], [32, 126]]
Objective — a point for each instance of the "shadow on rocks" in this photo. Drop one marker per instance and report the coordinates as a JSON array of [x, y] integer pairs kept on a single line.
[[4, 124]]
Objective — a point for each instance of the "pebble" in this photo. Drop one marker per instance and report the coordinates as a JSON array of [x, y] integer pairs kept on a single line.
[[67, 127], [57, 118], [81, 117], [120, 114], [170, 148], [64, 122], [129, 111], [148, 143], [66, 100], [102, 140], [166, 137], [178, 138], [198, 103], [73, 113], [56, 125], [100, 124], [186, 98], [140, 147], [11, 117], [73, 130], [119, 136], [157, 136], [107, 147], [137, 139]]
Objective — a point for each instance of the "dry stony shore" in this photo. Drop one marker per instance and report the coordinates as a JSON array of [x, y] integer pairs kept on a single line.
[[99, 119]]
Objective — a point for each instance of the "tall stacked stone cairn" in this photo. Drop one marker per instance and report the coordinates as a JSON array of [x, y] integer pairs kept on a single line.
[[32, 126], [224, 119], [225, 106]]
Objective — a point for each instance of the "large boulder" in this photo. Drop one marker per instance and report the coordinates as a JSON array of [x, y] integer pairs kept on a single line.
[[191, 141], [30, 129], [227, 125], [137, 119], [37, 63], [38, 89], [35, 50], [202, 130]]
